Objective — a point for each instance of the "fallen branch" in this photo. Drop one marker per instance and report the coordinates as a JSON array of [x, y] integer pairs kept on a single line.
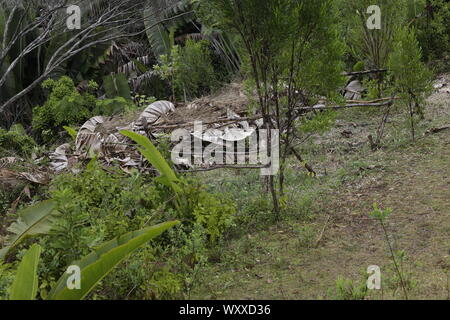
[[437, 130], [322, 233], [191, 124], [223, 167], [372, 101], [352, 105], [307, 166], [357, 73]]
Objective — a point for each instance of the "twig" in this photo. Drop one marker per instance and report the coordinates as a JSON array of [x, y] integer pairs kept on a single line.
[[322, 233], [307, 166]]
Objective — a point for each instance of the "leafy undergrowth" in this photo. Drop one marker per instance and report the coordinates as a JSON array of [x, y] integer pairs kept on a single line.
[[326, 240]]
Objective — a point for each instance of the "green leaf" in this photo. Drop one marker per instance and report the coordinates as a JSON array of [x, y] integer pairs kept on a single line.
[[151, 153], [72, 132], [142, 68], [100, 263], [117, 86], [25, 284], [34, 220]]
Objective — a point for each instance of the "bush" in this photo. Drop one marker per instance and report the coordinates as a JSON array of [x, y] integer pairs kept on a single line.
[[97, 205], [66, 106], [433, 29], [412, 80], [189, 69], [6, 278], [15, 142]]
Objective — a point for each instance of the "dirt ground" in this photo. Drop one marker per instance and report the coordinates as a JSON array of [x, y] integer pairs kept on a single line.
[[413, 179]]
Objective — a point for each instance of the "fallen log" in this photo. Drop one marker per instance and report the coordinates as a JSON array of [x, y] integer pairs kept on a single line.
[[357, 73], [372, 101], [352, 105], [437, 130]]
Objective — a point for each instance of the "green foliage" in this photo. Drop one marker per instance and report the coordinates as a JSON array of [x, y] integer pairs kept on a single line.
[[319, 123], [94, 267], [66, 107], [403, 280], [195, 74], [6, 279], [96, 205], [371, 46], [192, 201], [116, 85], [149, 151], [100, 263], [395, 280], [113, 106], [411, 78], [189, 69], [15, 142], [430, 19], [25, 285], [380, 214], [306, 236], [374, 88], [348, 290], [359, 66], [142, 101], [410, 75], [32, 221], [215, 214], [72, 132]]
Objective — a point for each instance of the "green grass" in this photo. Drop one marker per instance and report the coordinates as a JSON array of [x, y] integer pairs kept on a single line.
[[325, 237]]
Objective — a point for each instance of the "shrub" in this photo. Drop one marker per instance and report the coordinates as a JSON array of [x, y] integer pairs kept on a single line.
[[15, 142], [66, 106], [189, 69], [6, 279], [429, 19], [97, 205], [412, 79]]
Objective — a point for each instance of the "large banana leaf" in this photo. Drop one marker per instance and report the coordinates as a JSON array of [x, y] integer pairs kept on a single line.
[[32, 221], [100, 263], [149, 151], [117, 86], [25, 284], [158, 10]]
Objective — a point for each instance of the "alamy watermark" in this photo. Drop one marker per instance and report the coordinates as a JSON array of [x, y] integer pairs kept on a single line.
[[74, 279], [74, 19], [374, 21], [240, 147], [374, 280]]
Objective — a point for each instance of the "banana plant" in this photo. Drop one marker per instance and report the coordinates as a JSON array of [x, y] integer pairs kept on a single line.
[[154, 157], [178, 14], [94, 267], [32, 221], [25, 284]]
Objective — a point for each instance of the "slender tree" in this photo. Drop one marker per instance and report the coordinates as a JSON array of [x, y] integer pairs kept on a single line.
[[294, 55], [412, 79]]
